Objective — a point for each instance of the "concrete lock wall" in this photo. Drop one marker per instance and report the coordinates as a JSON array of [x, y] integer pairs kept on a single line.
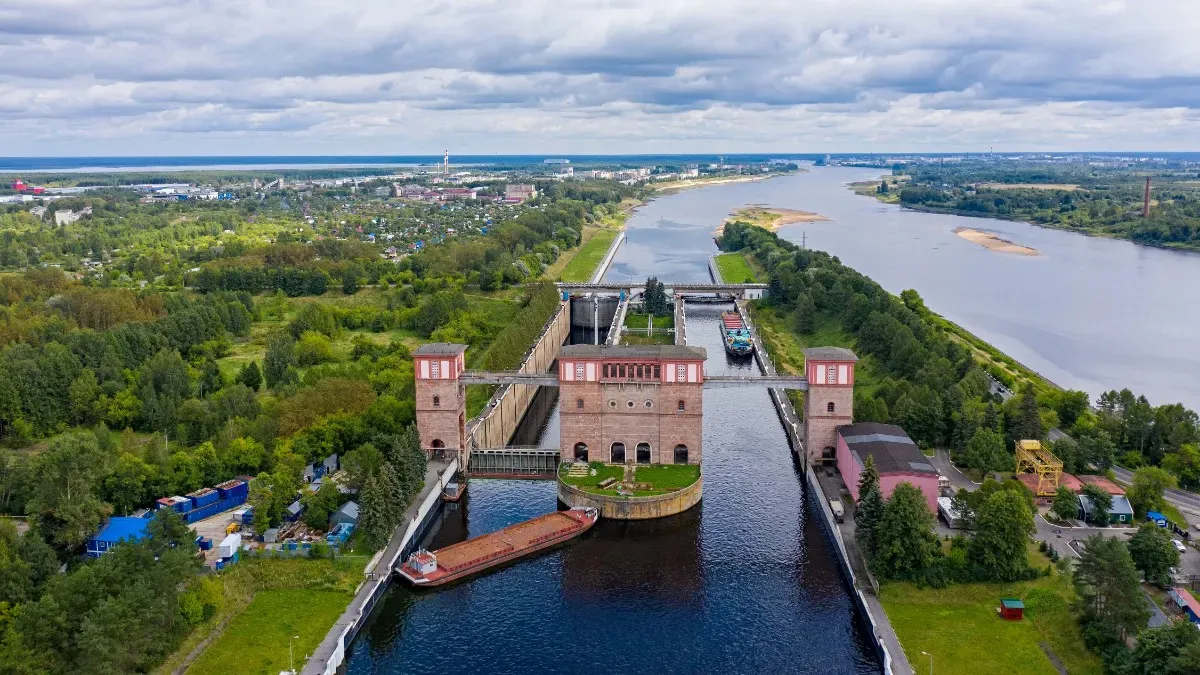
[[496, 425], [634, 508]]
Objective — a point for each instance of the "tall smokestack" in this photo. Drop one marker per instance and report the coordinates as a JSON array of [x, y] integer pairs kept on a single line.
[[1146, 199]]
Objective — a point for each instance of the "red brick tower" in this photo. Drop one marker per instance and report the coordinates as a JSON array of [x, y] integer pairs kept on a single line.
[[829, 402], [441, 403]]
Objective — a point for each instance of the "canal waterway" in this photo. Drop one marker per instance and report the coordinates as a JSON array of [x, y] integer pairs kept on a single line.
[[1088, 313], [745, 582]]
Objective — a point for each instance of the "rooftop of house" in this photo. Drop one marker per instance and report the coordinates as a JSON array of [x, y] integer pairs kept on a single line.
[[1103, 483], [829, 354], [893, 450], [439, 349], [634, 352], [123, 528]]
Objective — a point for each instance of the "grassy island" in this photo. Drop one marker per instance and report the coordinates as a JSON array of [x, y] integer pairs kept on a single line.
[[648, 480]]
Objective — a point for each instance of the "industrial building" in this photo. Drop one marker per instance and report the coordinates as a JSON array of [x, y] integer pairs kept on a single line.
[[897, 458], [115, 531]]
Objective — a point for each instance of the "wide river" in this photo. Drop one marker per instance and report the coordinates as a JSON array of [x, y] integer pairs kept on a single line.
[[746, 581], [1088, 313]]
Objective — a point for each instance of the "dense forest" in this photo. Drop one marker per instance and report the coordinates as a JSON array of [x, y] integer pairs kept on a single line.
[[251, 358], [1087, 199]]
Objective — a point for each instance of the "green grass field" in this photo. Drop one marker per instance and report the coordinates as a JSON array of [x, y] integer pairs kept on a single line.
[[583, 264], [960, 627], [668, 476], [734, 269], [256, 641]]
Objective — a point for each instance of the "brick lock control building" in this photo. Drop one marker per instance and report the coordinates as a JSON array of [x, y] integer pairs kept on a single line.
[[829, 402], [630, 404], [441, 398]]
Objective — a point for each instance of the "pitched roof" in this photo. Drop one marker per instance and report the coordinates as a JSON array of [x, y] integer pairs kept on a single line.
[[829, 354], [439, 349], [893, 450], [634, 352]]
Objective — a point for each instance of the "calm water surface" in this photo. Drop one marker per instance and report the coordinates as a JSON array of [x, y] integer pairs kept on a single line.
[[1089, 313]]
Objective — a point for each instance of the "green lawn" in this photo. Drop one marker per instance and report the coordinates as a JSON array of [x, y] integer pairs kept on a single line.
[[638, 321], [668, 476], [256, 641], [734, 269], [603, 472], [664, 478], [583, 264], [960, 627]]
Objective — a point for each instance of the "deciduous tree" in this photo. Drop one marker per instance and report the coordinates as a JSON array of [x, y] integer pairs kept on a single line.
[[905, 543], [999, 548], [1153, 553]]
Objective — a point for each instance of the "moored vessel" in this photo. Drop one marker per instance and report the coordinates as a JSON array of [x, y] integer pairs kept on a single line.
[[434, 568], [455, 489]]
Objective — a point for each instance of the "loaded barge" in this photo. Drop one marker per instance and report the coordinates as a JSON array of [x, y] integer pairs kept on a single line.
[[734, 334], [434, 568]]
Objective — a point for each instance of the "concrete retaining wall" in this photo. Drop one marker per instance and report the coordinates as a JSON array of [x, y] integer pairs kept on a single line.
[[860, 600], [331, 653], [634, 508], [495, 425]]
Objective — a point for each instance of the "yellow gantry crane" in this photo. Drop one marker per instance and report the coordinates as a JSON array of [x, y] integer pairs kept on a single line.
[[1033, 458]]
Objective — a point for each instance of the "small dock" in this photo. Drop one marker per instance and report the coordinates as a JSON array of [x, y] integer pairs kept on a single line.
[[433, 568]]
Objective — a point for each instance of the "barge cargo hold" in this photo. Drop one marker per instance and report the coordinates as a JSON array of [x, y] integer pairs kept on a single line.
[[434, 568], [735, 335]]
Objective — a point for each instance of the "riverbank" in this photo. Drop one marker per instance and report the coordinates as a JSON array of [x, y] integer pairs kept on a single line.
[[868, 189], [994, 242], [677, 185]]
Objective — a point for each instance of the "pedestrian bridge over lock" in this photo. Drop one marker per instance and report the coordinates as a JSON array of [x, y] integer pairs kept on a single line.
[[631, 290], [710, 381]]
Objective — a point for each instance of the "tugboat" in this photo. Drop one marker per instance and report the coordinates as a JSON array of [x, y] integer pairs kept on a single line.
[[434, 568], [735, 335]]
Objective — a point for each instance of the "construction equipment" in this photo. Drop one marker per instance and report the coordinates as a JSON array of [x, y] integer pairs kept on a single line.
[[1033, 458], [233, 527]]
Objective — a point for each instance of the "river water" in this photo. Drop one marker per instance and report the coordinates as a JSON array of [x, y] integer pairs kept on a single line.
[[1088, 313], [746, 582]]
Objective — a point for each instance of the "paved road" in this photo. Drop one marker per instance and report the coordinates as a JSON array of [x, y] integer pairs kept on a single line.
[[1181, 499], [958, 480]]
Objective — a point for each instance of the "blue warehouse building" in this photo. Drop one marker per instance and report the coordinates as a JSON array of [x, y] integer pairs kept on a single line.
[[116, 530]]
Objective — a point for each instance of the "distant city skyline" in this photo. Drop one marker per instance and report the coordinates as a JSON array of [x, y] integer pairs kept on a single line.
[[225, 77]]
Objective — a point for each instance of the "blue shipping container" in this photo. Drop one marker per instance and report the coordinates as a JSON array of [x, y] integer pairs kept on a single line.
[[203, 497], [205, 543], [248, 516]]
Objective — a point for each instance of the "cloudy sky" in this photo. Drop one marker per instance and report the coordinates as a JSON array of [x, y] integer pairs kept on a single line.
[[161, 77]]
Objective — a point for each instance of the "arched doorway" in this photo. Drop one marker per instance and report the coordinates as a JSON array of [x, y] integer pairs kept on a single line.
[[681, 455], [438, 449], [643, 453], [581, 454], [617, 453]]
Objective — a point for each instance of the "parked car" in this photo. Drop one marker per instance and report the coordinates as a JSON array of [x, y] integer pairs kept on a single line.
[[1178, 545], [839, 511]]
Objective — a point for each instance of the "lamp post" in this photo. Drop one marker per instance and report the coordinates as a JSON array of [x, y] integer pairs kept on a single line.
[[930, 661], [292, 666]]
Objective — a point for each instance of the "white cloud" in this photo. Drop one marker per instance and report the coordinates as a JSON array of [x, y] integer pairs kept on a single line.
[[479, 76]]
